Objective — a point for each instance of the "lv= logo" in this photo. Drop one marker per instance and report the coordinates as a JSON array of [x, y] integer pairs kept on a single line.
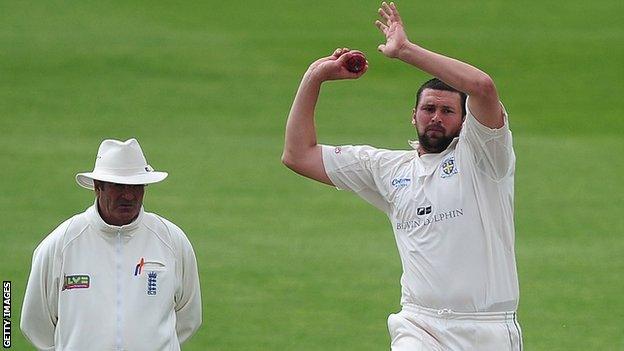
[[80, 281]]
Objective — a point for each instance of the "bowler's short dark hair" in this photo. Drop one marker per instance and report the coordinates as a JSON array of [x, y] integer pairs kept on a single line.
[[437, 84]]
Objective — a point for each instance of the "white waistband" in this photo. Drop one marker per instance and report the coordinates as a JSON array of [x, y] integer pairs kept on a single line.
[[446, 313]]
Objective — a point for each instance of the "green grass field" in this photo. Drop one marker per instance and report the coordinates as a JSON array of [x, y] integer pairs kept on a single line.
[[285, 263]]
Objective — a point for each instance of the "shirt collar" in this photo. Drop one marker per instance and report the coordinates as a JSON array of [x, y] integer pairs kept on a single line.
[[96, 220], [415, 143], [429, 161]]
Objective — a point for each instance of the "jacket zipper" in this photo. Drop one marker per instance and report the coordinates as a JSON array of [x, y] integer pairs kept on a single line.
[[119, 317]]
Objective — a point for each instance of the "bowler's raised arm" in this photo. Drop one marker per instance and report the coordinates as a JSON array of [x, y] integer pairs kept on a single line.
[[483, 102]]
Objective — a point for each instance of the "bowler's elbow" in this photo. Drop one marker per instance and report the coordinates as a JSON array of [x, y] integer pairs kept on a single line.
[[289, 161], [298, 164], [484, 86]]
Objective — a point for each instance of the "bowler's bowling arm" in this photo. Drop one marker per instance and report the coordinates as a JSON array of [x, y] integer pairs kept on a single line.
[[302, 153]]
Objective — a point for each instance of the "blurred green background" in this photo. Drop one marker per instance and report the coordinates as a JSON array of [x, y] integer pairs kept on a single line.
[[286, 263]]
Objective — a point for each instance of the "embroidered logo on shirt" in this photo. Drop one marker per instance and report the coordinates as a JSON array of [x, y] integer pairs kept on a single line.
[[79, 281], [400, 182], [139, 267], [151, 283], [337, 149], [448, 167]]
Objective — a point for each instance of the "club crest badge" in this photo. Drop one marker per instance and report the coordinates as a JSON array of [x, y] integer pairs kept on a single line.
[[448, 167]]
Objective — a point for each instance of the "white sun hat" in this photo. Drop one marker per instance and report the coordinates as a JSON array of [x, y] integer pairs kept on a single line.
[[121, 163]]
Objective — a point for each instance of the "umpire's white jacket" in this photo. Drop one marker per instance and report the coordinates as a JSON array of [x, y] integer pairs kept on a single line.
[[94, 286]]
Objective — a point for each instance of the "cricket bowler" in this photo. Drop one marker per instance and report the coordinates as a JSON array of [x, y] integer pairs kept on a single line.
[[450, 199]]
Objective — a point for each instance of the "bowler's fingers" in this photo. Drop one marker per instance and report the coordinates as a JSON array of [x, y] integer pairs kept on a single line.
[[385, 16], [389, 13], [344, 56], [382, 27], [340, 51], [395, 12], [386, 11]]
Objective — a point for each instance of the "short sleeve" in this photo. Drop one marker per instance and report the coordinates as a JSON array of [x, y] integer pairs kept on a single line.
[[492, 149], [358, 169]]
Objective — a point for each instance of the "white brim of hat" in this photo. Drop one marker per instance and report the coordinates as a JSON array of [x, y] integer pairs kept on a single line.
[[85, 180]]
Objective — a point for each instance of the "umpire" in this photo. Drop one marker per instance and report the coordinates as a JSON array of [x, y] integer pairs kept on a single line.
[[113, 277]]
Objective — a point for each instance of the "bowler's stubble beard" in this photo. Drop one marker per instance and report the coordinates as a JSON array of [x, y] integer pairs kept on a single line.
[[435, 144]]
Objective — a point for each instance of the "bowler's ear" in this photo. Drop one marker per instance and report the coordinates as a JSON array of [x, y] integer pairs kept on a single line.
[[414, 116]]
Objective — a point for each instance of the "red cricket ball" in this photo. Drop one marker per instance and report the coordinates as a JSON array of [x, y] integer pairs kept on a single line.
[[356, 62]]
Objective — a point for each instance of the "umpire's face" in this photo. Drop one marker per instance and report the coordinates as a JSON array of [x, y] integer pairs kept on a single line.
[[119, 204], [437, 118]]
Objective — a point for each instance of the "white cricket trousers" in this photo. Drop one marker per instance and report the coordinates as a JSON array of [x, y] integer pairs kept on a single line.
[[417, 328]]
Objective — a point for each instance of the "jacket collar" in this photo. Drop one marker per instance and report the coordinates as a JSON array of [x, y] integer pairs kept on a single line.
[[96, 220]]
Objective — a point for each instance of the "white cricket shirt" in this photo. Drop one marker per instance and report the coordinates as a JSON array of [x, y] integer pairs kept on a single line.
[[452, 215], [95, 286]]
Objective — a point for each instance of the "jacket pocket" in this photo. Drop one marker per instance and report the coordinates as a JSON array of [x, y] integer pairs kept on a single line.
[[154, 266]]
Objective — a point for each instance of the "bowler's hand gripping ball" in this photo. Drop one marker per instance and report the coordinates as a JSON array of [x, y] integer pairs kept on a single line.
[[356, 62]]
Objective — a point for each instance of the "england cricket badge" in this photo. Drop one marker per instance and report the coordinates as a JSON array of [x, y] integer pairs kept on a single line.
[[151, 283], [448, 167]]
